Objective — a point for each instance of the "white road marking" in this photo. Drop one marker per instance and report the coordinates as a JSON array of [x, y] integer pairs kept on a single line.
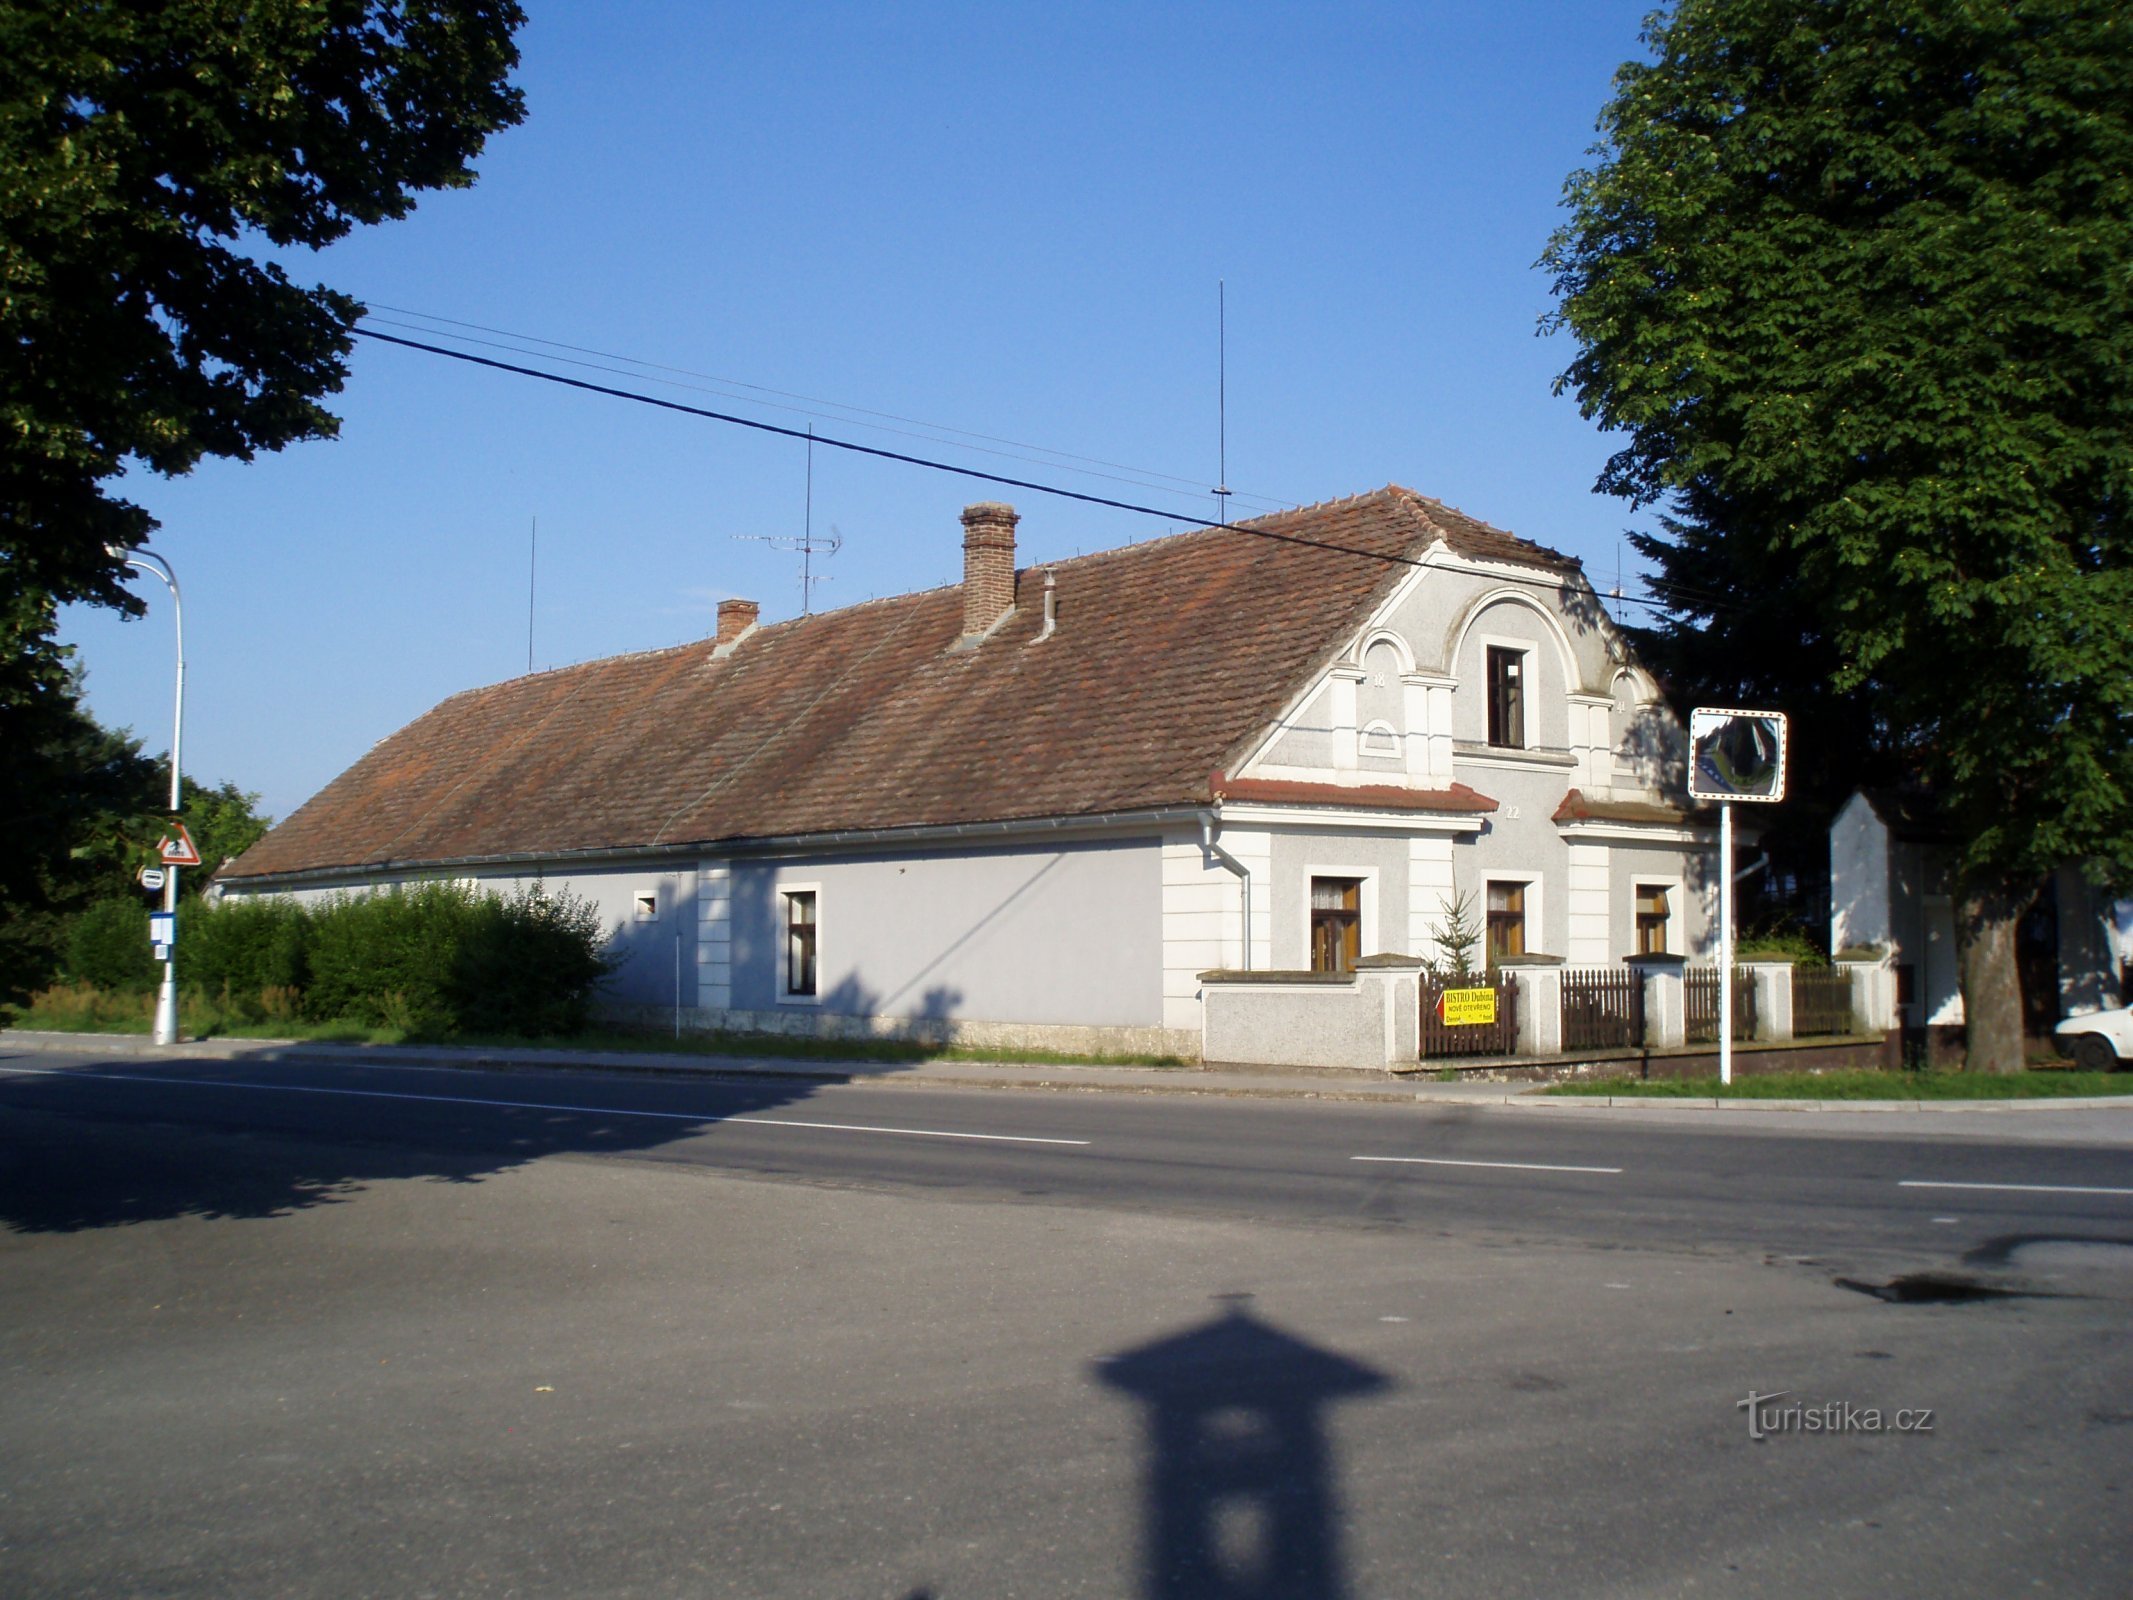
[[1512, 1166], [2012, 1188], [529, 1105]]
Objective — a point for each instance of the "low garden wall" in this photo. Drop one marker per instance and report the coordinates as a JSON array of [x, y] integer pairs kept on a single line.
[[1369, 1019], [1653, 1010]]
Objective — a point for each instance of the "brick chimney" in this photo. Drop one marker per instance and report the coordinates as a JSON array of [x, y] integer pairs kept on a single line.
[[988, 565], [735, 617]]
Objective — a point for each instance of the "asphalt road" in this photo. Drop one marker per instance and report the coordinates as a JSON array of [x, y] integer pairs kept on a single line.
[[321, 1330], [1601, 1177]]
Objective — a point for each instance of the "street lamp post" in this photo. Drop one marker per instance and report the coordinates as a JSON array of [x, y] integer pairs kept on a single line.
[[167, 994]]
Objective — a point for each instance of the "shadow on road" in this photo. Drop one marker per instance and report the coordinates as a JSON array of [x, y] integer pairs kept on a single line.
[[1239, 1498], [166, 1149]]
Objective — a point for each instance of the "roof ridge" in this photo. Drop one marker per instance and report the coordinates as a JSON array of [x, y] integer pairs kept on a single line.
[[1246, 525], [1387, 491], [569, 667]]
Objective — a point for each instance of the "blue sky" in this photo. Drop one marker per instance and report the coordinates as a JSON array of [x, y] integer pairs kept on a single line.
[[993, 219]]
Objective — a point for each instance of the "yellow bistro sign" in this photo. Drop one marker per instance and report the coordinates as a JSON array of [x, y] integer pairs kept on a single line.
[[1466, 1008]]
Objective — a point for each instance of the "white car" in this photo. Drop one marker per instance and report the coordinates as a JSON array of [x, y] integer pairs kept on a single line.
[[2102, 1041]]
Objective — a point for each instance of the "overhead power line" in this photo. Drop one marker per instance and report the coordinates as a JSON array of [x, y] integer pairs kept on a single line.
[[877, 451], [881, 454], [787, 400]]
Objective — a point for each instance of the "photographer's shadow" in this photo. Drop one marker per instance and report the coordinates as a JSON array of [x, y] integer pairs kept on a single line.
[[1239, 1497]]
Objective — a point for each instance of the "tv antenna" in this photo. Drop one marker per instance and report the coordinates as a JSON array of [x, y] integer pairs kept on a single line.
[[1221, 401], [533, 552], [806, 545]]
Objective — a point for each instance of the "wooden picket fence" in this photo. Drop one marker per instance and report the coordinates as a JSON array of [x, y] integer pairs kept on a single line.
[[1602, 1009], [1822, 1001], [1699, 999], [1498, 1038]]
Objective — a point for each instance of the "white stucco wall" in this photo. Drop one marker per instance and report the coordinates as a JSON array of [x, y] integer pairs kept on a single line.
[[1065, 935], [1859, 912]]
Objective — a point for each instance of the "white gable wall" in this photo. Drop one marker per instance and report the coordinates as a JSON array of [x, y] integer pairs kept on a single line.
[[1405, 705]]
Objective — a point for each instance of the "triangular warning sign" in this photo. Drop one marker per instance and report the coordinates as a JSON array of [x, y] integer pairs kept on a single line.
[[177, 848]]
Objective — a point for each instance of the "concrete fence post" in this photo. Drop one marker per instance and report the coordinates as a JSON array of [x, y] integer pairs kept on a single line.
[[1873, 993], [1540, 1002], [1666, 1016], [1396, 981], [1773, 997]]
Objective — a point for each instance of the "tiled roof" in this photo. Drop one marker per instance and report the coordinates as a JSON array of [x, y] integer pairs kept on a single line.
[[1170, 658]]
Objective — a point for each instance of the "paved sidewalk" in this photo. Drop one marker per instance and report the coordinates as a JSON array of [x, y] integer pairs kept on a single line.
[[2076, 1116]]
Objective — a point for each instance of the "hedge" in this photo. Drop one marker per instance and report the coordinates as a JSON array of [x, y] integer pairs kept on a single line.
[[432, 958]]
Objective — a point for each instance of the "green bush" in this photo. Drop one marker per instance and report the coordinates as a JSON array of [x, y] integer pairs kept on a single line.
[[387, 959], [107, 947], [528, 964], [1780, 942], [244, 947], [426, 959], [439, 958]]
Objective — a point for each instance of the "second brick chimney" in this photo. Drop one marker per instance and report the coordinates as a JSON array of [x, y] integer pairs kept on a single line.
[[988, 565]]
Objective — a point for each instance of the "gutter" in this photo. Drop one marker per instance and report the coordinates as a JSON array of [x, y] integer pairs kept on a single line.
[[1244, 877], [769, 844]]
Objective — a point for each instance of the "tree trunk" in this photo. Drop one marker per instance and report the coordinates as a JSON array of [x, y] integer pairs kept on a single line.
[[1985, 922]]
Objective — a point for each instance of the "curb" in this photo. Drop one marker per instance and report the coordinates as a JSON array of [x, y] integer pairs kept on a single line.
[[738, 1069], [1084, 1079]]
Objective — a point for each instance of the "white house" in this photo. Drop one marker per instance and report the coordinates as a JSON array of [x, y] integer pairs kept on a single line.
[[1035, 807]]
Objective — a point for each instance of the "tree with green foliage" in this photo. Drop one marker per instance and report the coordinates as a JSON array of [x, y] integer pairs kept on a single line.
[[73, 793], [86, 808], [1855, 283], [150, 157]]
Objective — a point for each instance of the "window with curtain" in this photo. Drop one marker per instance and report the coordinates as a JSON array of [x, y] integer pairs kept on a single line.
[[1336, 924], [1507, 920]]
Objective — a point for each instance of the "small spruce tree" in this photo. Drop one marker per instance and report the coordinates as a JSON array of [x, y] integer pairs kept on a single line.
[[1457, 940]]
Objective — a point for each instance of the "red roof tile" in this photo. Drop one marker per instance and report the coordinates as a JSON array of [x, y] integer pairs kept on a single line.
[[1171, 658]]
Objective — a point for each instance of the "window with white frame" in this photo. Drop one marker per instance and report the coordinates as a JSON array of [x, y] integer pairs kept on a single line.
[[1654, 916], [1336, 924], [801, 955], [1507, 697], [1507, 919]]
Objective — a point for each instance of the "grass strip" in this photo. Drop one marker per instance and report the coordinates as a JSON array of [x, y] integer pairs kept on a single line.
[[2036, 1084]]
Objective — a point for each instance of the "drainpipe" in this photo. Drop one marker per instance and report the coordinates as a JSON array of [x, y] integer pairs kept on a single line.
[[1244, 876]]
